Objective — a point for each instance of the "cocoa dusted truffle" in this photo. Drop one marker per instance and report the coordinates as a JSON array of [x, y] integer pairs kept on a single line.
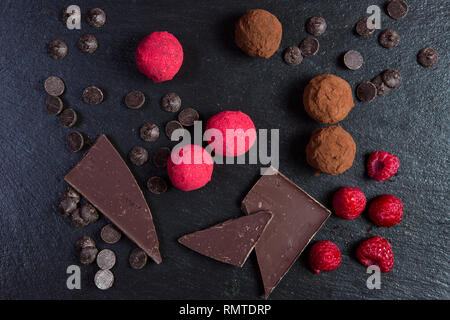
[[331, 150], [328, 98], [258, 33]]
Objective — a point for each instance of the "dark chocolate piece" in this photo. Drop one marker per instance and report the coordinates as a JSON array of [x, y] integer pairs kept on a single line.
[[104, 279], [57, 49], [389, 39], [54, 86], [309, 47], [88, 43], [105, 180], [54, 105], [83, 243], [188, 116], [135, 99], [68, 118], [382, 89], [96, 17], [88, 255], [353, 60], [316, 26], [427, 57], [138, 156], [106, 259], [397, 9], [171, 126], [110, 234], [392, 78], [138, 258], [92, 95], [75, 141], [231, 241], [292, 56], [149, 132], [296, 219], [161, 156], [366, 91], [362, 28], [171, 102], [157, 185]]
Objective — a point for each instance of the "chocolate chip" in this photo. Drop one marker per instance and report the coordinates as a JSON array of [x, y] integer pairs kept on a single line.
[[362, 29], [316, 26], [138, 156], [392, 78], [106, 259], [110, 234], [382, 89], [161, 156], [67, 206], [366, 91], [84, 242], [92, 95], [70, 192], [54, 86], [77, 220], [389, 39], [353, 60], [54, 105], [292, 56], [135, 99], [138, 258], [149, 132], [104, 279], [171, 126], [87, 255], [171, 102], [188, 116], [87, 43], [397, 9], [96, 17], [57, 49], [75, 141], [89, 213], [68, 118], [427, 57], [157, 185], [309, 47]]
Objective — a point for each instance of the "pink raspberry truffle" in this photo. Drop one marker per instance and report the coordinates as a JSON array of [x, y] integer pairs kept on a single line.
[[239, 125], [159, 56], [190, 167]]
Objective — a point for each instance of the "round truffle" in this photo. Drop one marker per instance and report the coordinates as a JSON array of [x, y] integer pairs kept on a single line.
[[258, 33], [159, 56], [331, 150], [234, 125], [189, 167], [328, 98]]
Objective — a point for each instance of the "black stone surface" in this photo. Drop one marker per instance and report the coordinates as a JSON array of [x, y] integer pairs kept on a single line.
[[411, 122]]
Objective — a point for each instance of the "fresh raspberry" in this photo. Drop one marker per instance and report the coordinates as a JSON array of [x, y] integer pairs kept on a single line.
[[386, 210], [349, 202], [382, 165], [376, 251], [324, 256]]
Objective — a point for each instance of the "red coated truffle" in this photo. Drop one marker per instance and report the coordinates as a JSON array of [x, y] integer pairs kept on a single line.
[[240, 129], [190, 167], [159, 56]]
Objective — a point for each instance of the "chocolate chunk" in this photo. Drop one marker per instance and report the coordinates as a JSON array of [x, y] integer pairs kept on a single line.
[[231, 241], [104, 279], [353, 60], [138, 156], [292, 56], [362, 28], [138, 258], [83, 243], [77, 220], [171, 126], [104, 179], [75, 141], [397, 9], [309, 47], [157, 185], [67, 206], [382, 89], [88, 213], [88, 255], [68, 118], [389, 39], [92, 95], [188, 116], [392, 78], [69, 192], [57, 49], [54, 86], [171, 102], [54, 105], [135, 99], [316, 26], [161, 156], [427, 57], [297, 217], [366, 91], [96, 17], [149, 132], [106, 259], [88, 43], [110, 234]]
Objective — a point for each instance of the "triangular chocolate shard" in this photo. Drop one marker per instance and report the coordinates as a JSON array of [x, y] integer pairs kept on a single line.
[[105, 180], [231, 241], [296, 219]]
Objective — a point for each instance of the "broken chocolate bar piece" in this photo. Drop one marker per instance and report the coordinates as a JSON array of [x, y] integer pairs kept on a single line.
[[296, 219], [105, 180], [230, 241]]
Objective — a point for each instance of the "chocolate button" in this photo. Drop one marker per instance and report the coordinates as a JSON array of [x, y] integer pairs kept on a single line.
[[427, 57], [75, 141], [188, 116], [92, 95], [161, 156], [138, 258], [392, 78], [135, 99], [138, 156], [389, 39], [366, 91], [171, 102], [149, 132], [362, 29], [309, 47], [54, 86], [316, 26], [157, 185], [171, 126], [106, 259], [83, 243], [104, 279], [382, 89], [292, 56], [397, 9], [110, 234], [57, 49], [353, 60], [96, 17], [68, 118], [54, 105], [88, 43]]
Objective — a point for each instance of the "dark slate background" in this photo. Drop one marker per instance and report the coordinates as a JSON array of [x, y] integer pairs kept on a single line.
[[412, 122]]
